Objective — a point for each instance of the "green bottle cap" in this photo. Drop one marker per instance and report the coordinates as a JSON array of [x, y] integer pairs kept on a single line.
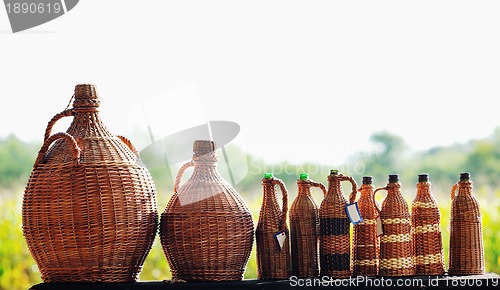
[[334, 172], [268, 175], [304, 176]]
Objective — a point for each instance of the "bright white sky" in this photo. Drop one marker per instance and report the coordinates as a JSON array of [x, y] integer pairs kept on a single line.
[[305, 80]]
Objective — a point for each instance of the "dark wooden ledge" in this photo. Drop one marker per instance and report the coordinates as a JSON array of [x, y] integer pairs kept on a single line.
[[489, 280]]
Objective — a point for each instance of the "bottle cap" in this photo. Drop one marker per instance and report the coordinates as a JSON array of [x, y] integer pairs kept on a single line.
[[464, 176], [334, 172], [304, 176], [268, 175], [424, 177], [393, 178], [367, 179]]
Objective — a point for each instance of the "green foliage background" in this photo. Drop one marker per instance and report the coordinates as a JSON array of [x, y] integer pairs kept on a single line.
[[480, 157]]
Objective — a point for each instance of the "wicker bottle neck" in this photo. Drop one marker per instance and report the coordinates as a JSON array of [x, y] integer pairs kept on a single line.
[[423, 190], [465, 187], [394, 189], [304, 187], [367, 192], [334, 186], [87, 124], [270, 194]]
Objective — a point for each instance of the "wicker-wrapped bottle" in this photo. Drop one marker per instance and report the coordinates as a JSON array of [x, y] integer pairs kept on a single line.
[[334, 224], [206, 229], [427, 240], [397, 254], [304, 229], [466, 256], [366, 246], [89, 209], [272, 235]]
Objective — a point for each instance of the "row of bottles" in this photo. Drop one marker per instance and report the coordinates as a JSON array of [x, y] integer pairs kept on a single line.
[[388, 240]]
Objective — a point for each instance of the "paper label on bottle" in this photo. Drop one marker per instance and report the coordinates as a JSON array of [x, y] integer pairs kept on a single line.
[[353, 213], [379, 226], [280, 237]]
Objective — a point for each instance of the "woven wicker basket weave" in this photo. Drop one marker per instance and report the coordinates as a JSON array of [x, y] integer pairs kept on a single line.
[[366, 242], [273, 261], [466, 256], [89, 210], [206, 230], [427, 240], [397, 254], [334, 239], [304, 229]]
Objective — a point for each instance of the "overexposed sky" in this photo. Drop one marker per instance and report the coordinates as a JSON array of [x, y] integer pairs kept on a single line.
[[305, 80]]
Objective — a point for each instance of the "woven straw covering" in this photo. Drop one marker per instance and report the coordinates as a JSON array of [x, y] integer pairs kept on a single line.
[[466, 256], [427, 232], [396, 244], [206, 230], [334, 240], [366, 246], [89, 210], [273, 262], [304, 230]]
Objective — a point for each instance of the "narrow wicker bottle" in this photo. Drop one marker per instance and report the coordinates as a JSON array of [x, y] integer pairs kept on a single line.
[[396, 243], [206, 230], [466, 235], [334, 240], [304, 229], [427, 240], [366, 247], [89, 209], [273, 259]]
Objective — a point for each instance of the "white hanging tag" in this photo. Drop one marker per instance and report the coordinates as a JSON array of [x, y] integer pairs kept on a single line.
[[379, 226], [280, 237], [353, 213]]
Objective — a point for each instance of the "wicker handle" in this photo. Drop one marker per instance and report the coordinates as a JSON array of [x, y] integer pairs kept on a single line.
[[75, 150], [453, 191], [354, 187], [374, 201], [66, 113], [179, 175], [284, 206], [129, 145], [320, 185]]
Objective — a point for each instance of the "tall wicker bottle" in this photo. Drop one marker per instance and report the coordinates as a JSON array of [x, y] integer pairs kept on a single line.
[[304, 229], [427, 240], [366, 246], [89, 210], [206, 230], [466, 234], [334, 224], [396, 243], [273, 258]]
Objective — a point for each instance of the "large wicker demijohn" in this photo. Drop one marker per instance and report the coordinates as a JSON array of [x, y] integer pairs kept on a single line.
[[89, 209], [366, 242], [427, 240], [334, 224], [206, 230], [466, 256], [304, 229], [272, 235], [397, 256]]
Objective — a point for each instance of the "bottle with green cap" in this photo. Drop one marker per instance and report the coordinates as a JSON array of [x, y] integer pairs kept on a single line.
[[397, 230], [366, 240], [272, 235], [304, 229], [335, 241], [466, 251], [425, 216]]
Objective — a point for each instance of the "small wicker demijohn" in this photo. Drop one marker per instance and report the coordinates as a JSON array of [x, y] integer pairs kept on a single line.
[[396, 243], [89, 209], [206, 230], [304, 229], [334, 224], [466, 256], [272, 235], [427, 240], [366, 246]]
